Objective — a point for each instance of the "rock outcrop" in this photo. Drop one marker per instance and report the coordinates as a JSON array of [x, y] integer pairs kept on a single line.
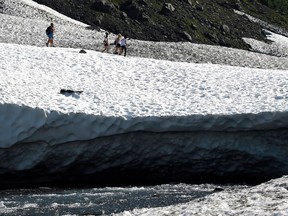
[[208, 22]]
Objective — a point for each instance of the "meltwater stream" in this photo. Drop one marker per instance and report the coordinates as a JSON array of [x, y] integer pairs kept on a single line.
[[100, 201]]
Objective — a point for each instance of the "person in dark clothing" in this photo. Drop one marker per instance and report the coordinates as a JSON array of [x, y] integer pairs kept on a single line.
[[50, 34]]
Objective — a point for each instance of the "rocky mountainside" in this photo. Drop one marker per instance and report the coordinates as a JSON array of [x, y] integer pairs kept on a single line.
[[201, 21]]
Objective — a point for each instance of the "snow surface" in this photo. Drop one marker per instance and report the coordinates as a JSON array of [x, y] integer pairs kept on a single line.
[[129, 94], [200, 88], [132, 91]]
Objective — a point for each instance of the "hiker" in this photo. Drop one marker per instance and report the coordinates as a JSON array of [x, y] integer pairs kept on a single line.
[[117, 44], [123, 42], [106, 44], [49, 32]]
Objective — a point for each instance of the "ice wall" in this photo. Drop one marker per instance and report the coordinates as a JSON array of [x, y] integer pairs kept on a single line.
[[26, 125], [52, 147]]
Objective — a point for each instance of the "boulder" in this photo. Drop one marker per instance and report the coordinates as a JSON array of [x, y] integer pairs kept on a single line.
[[223, 42], [82, 51], [199, 7], [145, 17], [167, 9], [230, 4], [187, 36], [189, 2], [124, 16], [143, 2], [103, 6], [133, 10], [212, 37], [93, 28], [225, 29], [193, 26]]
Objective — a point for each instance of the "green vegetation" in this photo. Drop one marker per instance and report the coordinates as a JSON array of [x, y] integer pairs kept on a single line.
[[280, 5], [202, 21], [266, 11]]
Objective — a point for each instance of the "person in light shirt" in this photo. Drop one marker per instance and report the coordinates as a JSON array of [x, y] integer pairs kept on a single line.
[[106, 43], [123, 43], [117, 44]]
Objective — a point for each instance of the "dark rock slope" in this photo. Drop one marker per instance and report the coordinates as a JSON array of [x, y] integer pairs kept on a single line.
[[201, 21]]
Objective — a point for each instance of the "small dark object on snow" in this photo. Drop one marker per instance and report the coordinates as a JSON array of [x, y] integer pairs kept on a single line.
[[218, 189], [82, 51], [68, 91]]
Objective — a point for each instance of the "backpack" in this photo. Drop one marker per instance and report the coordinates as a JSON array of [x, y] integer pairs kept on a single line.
[[48, 30]]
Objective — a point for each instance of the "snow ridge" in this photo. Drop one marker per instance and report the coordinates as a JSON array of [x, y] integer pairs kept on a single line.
[[29, 9], [123, 95]]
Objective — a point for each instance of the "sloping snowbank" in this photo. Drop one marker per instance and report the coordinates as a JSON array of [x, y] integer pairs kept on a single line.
[[134, 94], [277, 47], [31, 10]]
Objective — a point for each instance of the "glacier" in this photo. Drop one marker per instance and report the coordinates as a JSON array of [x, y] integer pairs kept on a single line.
[[205, 113], [137, 120]]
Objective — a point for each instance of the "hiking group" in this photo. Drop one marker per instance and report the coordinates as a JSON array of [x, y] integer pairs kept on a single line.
[[119, 42]]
